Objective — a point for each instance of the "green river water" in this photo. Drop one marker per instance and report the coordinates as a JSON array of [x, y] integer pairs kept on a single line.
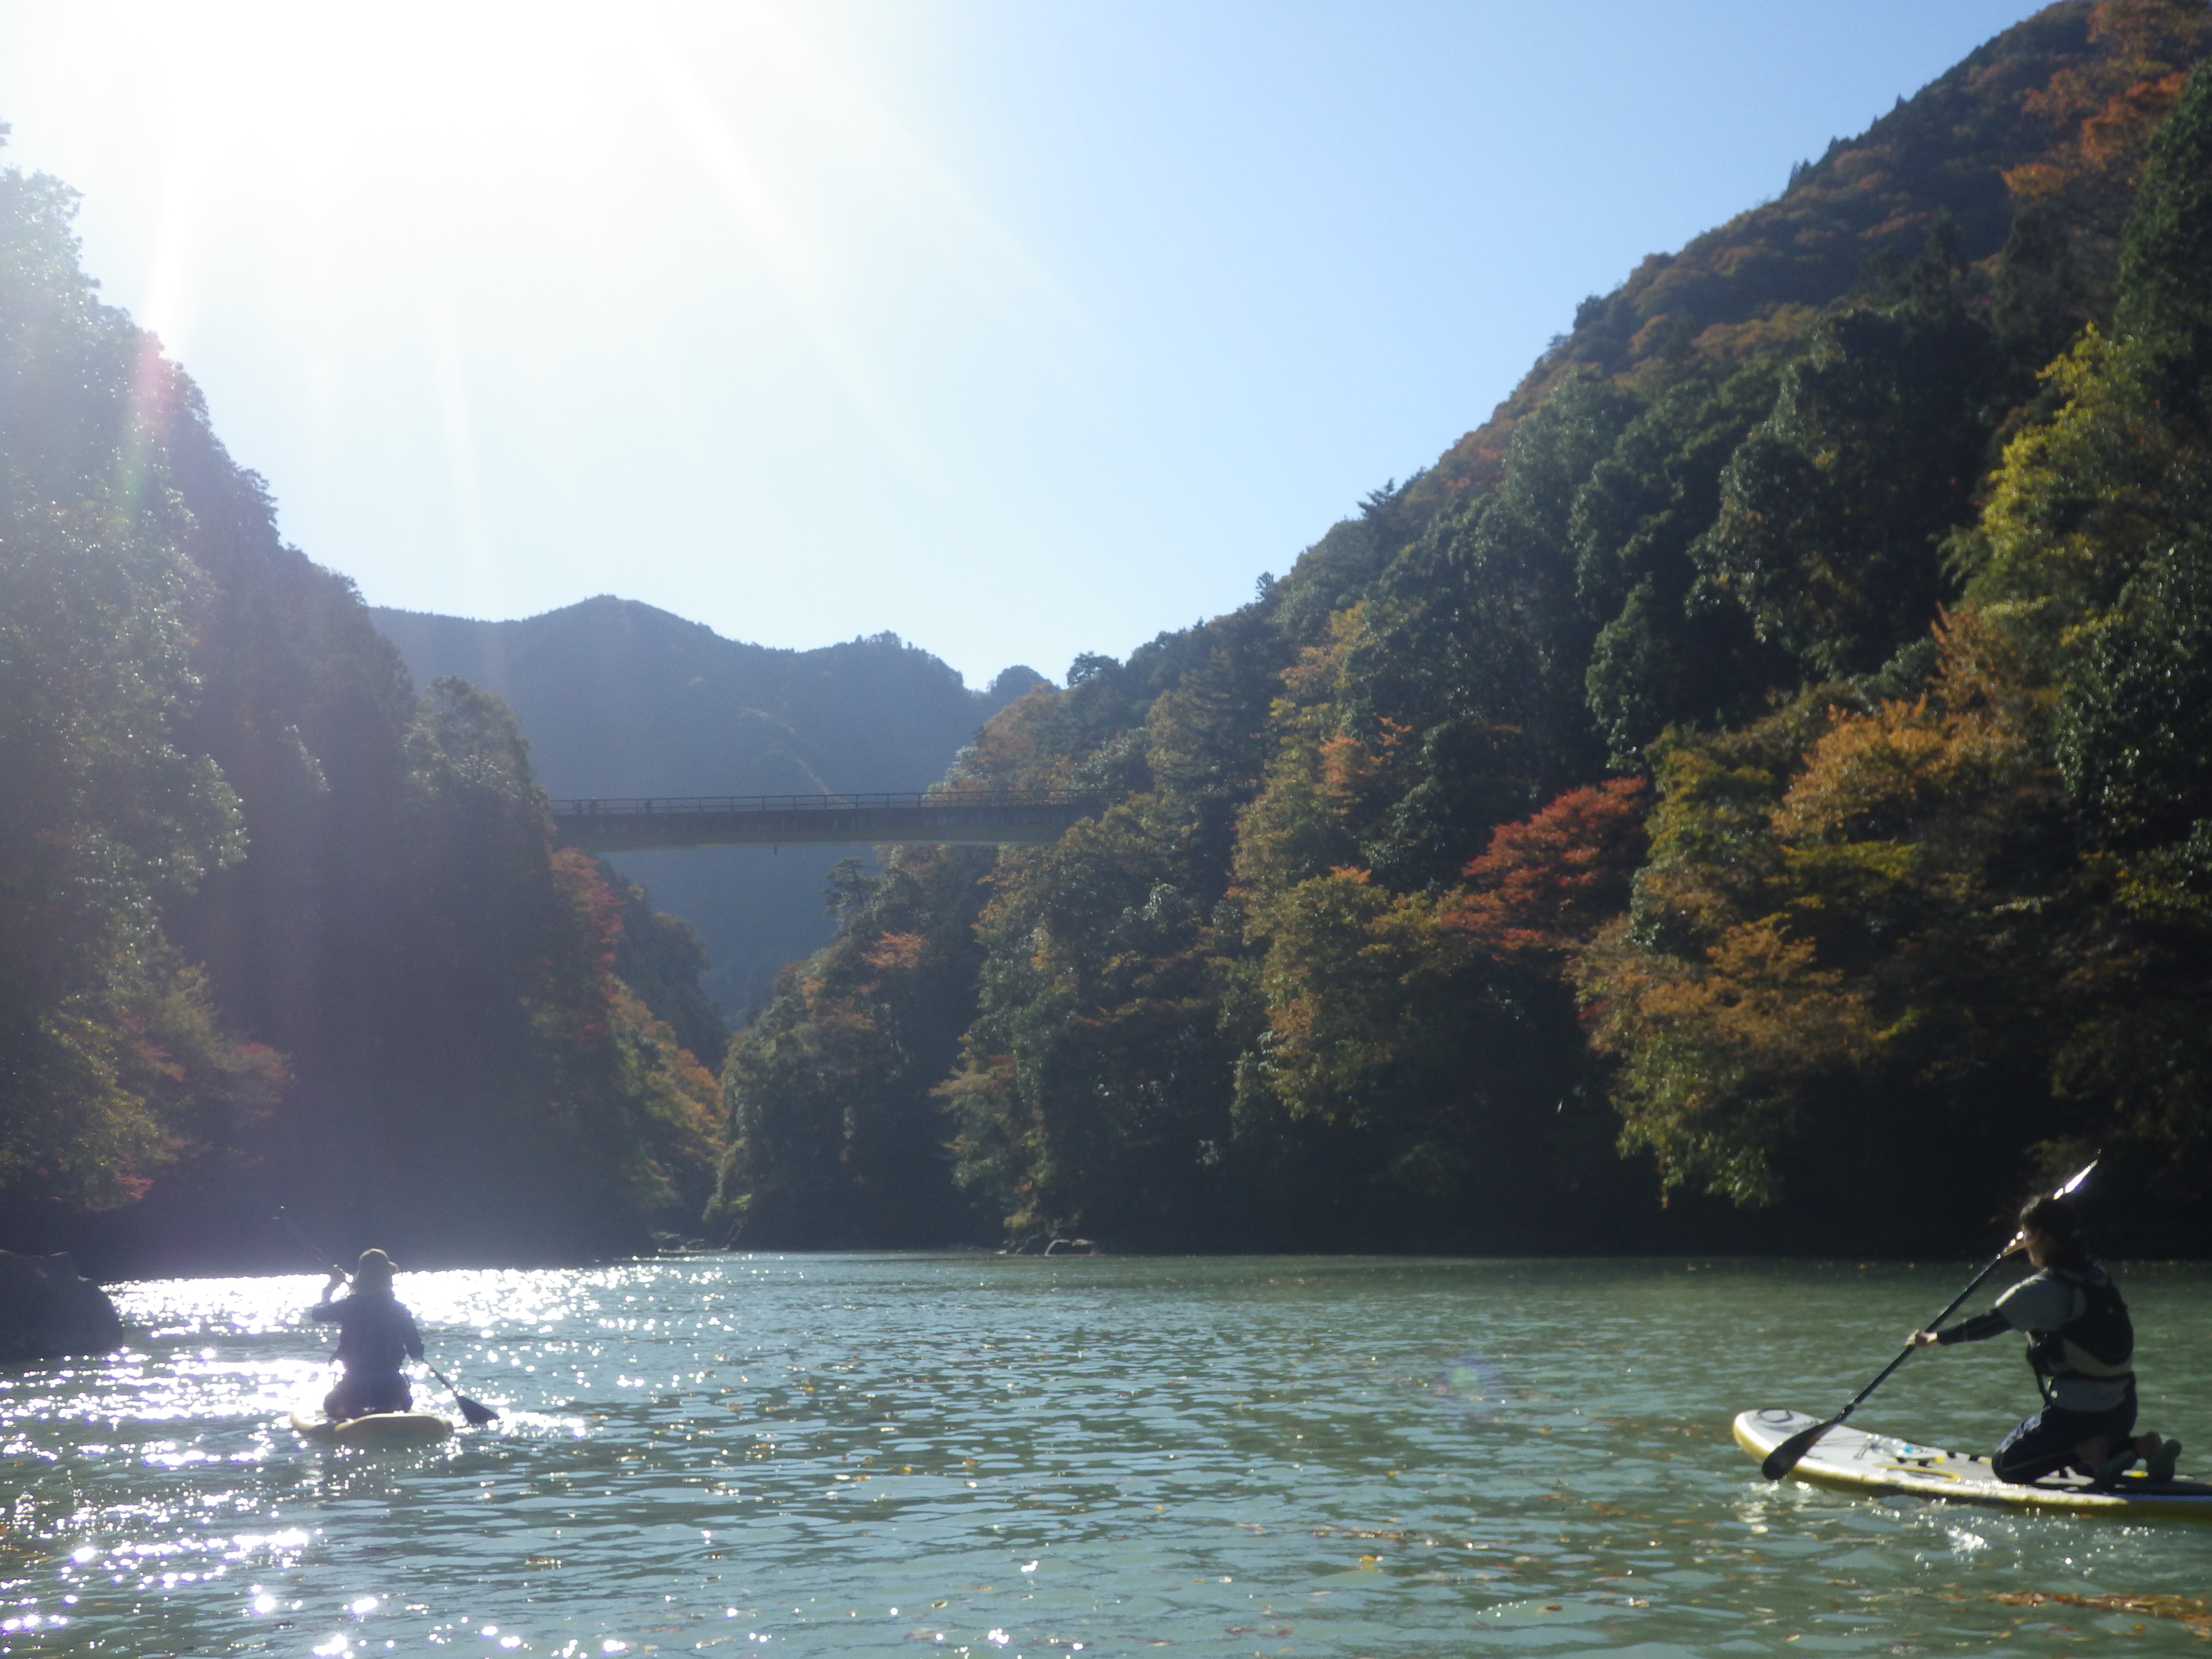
[[772, 1455]]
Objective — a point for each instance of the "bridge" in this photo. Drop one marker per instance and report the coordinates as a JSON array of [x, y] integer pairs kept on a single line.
[[652, 823]]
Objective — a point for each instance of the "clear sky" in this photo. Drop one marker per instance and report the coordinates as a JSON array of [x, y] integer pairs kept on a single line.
[[1020, 327]]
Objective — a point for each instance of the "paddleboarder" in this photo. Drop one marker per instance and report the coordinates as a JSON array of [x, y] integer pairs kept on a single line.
[[2082, 1343], [376, 1337]]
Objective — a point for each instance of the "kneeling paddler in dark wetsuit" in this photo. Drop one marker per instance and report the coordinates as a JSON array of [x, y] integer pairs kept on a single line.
[[2082, 1343], [376, 1337]]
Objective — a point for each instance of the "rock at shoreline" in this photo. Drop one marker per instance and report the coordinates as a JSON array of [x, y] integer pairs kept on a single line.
[[46, 1311]]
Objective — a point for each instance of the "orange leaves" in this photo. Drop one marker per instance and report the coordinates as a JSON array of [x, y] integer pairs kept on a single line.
[[596, 916], [1845, 906], [896, 951], [648, 1113], [2104, 107], [676, 1108], [1347, 964], [1363, 989], [1905, 771], [1759, 995], [1346, 764], [2117, 134], [1350, 767], [1297, 825], [1312, 678], [1715, 1056], [2032, 179], [1899, 809], [1016, 744], [1984, 666], [2139, 45], [1868, 776]]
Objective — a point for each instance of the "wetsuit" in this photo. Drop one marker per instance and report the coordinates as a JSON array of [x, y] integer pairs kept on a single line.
[[2081, 1345], [376, 1337]]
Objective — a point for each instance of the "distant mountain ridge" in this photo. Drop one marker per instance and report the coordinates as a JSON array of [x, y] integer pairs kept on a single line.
[[622, 698]]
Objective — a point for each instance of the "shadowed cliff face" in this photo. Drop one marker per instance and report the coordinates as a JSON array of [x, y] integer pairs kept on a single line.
[[619, 698]]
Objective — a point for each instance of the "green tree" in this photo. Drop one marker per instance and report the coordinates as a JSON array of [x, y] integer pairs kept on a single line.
[[2164, 297], [2135, 726], [1668, 649], [1833, 511], [837, 1139], [103, 816]]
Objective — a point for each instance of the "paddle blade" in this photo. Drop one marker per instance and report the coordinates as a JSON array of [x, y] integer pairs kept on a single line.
[[2068, 1189], [476, 1412], [1785, 1456]]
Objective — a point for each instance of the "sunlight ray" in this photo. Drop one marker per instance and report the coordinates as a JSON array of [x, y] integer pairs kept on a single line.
[[798, 271], [476, 536], [916, 186]]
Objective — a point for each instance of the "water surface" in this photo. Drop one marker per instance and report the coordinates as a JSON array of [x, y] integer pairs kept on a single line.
[[855, 1453]]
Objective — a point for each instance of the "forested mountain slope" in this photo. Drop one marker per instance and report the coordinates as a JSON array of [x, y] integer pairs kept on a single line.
[[618, 698], [1762, 769], [274, 928]]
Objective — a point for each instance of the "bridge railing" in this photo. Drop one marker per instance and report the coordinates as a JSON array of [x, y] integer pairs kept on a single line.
[[691, 804]]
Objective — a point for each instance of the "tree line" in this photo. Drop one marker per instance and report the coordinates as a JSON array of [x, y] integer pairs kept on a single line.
[[1753, 792], [274, 927]]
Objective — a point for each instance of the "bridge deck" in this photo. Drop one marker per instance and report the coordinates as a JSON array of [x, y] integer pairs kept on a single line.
[[651, 823]]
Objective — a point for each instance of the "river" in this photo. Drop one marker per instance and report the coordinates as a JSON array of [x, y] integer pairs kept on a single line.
[[763, 1454]]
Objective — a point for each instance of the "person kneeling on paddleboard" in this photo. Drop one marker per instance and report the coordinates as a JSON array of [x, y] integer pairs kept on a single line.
[[2082, 1343], [376, 1336]]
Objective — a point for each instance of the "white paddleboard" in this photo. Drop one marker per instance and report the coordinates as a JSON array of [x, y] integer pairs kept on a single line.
[[377, 1429], [1846, 1459]]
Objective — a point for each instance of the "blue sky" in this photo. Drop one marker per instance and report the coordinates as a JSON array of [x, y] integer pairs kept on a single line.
[[1020, 329]]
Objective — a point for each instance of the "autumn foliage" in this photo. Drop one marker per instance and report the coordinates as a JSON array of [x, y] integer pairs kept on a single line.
[[1770, 747], [1549, 882], [274, 927], [1752, 791]]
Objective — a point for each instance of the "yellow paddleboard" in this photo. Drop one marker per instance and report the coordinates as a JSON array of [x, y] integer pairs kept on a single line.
[[377, 1429], [1846, 1459]]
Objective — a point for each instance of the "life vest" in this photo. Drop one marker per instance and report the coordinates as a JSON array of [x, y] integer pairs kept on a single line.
[[2097, 1342]]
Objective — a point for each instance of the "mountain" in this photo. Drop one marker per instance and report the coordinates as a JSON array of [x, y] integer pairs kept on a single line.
[[1762, 766], [619, 698], [2043, 129], [1752, 792], [274, 929]]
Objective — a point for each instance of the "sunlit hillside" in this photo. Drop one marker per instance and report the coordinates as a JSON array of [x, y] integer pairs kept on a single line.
[[1754, 778], [1760, 765]]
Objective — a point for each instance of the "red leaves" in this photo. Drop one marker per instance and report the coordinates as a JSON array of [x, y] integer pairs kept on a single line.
[[1550, 879], [591, 910]]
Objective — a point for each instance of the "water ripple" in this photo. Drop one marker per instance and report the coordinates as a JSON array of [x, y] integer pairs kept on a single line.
[[749, 1454]]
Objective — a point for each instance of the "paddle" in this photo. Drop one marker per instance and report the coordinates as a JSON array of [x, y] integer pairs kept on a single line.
[[476, 1412], [1785, 1456]]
